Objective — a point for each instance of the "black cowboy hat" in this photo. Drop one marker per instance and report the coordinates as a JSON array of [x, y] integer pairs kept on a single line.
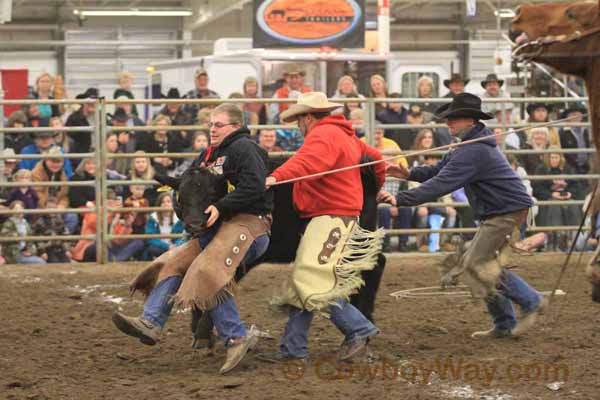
[[120, 115], [492, 78], [90, 93], [173, 93], [531, 107], [455, 78], [574, 107], [464, 105]]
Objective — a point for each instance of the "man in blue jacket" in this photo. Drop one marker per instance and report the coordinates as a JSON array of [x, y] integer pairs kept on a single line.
[[501, 203]]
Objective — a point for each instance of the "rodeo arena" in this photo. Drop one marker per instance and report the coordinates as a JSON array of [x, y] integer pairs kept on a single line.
[[299, 199]]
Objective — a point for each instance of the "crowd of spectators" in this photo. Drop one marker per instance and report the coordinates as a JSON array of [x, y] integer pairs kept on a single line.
[[143, 168]]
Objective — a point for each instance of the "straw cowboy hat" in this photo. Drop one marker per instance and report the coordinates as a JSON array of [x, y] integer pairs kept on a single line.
[[464, 105], [311, 102]]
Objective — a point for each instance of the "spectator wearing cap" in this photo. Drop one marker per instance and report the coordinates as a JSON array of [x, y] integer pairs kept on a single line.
[[540, 113], [493, 89], [125, 80], [17, 141], [292, 89], [575, 137], [250, 89], [201, 91], [9, 167], [52, 170], [426, 90], [43, 91], [42, 143], [378, 87], [84, 116], [394, 113], [456, 85]]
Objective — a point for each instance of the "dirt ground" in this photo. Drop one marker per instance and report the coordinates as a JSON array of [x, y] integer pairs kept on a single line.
[[57, 341]]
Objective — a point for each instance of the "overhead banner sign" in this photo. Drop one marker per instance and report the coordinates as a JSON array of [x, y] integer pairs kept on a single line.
[[309, 23]]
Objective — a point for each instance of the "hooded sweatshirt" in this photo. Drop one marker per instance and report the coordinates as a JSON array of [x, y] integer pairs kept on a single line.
[[491, 185], [330, 144]]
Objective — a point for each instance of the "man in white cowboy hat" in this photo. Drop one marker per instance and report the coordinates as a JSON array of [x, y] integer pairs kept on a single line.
[[333, 249], [293, 88], [501, 203]]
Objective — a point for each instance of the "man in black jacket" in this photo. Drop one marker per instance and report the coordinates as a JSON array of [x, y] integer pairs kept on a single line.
[[238, 233], [82, 141]]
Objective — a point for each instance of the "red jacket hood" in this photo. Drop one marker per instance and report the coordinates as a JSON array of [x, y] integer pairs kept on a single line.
[[338, 120]]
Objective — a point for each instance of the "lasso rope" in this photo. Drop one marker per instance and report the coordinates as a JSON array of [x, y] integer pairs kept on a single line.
[[426, 151]]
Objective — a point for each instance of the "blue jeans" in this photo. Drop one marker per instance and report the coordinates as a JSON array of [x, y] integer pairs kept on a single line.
[[402, 221], [344, 316], [225, 315], [21, 259], [71, 221], [511, 288]]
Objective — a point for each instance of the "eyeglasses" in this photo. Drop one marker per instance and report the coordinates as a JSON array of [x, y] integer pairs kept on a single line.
[[220, 125]]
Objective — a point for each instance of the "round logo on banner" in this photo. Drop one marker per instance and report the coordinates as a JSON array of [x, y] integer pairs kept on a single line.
[[308, 22]]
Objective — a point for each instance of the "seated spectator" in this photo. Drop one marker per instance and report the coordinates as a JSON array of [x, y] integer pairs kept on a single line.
[[141, 169], [200, 141], [540, 113], [53, 251], [492, 86], [250, 90], [163, 222], [357, 117], [505, 117], [175, 111], [433, 217], [52, 170], [556, 189], [267, 139], [395, 113], [80, 195], [117, 168], [350, 107], [425, 90], [17, 141], [415, 117], [576, 137], [346, 88], [42, 143], [378, 87], [132, 118], [423, 141], [61, 139], [23, 252], [119, 249], [401, 217], [9, 167], [127, 139], [538, 140], [501, 139], [43, 91], [84, 116], [160, 142], [292, 88], [455, 85], [137, 200], [125, 80], [25, 194], [203, 117], [34, 118], [250, 118]]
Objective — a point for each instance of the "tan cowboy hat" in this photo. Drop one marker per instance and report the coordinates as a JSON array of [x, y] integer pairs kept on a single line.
[[311, 102]]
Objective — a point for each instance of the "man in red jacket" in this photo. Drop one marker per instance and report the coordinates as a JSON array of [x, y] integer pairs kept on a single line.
[[334, 249]]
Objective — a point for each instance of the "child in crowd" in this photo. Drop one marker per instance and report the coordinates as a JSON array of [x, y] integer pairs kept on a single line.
[[137, 200], [53, 251], [25, 193], [23, 252], [163, 222]]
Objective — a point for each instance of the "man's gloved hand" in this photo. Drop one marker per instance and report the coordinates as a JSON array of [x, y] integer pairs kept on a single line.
[[165, 180]]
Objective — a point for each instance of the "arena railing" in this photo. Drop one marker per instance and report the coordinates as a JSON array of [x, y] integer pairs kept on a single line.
[[100, 129]]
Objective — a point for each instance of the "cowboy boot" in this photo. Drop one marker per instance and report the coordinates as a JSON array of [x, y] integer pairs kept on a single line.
[[146, 331], [236, 350]]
